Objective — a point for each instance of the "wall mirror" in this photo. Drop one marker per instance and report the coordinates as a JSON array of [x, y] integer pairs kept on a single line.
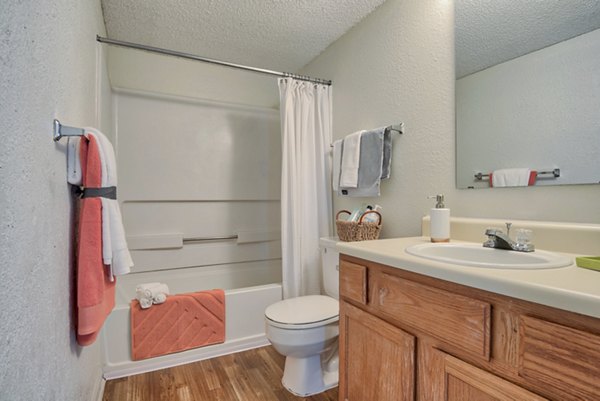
[[528, 90]]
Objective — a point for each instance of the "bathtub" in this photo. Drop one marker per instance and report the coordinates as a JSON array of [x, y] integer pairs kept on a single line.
[[249, 289]]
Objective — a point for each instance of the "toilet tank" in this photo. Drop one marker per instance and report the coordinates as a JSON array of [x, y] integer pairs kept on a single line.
[[330, 264]]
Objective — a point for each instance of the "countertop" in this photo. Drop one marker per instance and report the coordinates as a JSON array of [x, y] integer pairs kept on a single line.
[[570, 288]]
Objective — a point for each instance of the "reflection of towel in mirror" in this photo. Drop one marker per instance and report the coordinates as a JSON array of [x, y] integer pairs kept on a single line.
[[512, 177], [370, 167]]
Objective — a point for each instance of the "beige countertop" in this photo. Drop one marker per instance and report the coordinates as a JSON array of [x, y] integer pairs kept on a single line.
[[570, 288]]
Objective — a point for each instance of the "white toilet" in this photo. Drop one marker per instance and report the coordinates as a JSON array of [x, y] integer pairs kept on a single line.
[[305, 330]]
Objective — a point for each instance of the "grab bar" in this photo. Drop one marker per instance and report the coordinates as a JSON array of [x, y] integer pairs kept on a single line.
[[204, 239]]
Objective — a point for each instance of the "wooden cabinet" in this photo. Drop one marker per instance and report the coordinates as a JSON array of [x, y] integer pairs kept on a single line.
[[380, 358], [464, 382], [406, 336]]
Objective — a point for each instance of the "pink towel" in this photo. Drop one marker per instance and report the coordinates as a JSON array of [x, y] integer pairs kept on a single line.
[[183, 322], [95, 291]]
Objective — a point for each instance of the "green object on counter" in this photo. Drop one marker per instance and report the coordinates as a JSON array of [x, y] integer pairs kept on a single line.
[[588, 262]]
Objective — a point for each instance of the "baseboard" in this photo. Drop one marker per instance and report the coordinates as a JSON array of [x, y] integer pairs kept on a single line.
[[181, 358]]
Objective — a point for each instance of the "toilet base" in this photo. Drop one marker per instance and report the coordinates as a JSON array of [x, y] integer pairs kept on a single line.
[[305, 377]]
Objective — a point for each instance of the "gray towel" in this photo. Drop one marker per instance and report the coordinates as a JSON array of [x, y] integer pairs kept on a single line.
[[370, 165], [387, 153]]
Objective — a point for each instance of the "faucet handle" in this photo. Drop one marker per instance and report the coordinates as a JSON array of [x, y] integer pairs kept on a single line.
[[492, 231], [508, 226]]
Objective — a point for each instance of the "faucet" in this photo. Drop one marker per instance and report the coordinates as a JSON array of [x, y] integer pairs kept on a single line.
[[499, 240]]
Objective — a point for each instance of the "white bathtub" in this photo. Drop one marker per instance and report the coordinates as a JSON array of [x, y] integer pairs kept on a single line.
[[247, 294]]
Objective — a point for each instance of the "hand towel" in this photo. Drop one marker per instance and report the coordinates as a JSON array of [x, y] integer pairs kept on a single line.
[[337, 164], [115, 251], [387, 153], [144, 290], [370, 166], [510, 177], [160, 298], [151, 290], [95, 291], [350, 160]]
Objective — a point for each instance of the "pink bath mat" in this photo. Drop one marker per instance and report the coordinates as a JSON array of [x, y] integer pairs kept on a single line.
[[183, 322]]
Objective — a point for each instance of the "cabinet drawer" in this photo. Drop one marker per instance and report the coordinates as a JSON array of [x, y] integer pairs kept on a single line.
[[455, 319], [561, 359], [353, 281]]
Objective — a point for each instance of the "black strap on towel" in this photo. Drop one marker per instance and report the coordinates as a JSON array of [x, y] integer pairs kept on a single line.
[[103, 192]]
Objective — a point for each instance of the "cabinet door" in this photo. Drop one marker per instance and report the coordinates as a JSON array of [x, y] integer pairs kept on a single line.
[[377, 359], [464, 382]]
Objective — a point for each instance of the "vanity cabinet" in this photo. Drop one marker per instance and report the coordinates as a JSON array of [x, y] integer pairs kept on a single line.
[[406, 336]]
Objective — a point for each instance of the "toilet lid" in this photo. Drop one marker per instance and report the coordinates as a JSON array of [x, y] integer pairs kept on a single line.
[[303, 310]]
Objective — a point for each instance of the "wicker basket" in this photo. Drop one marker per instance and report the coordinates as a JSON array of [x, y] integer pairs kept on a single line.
[[350, 231]]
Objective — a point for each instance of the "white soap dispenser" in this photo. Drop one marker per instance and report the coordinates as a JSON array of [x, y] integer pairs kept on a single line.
[[440, 220]]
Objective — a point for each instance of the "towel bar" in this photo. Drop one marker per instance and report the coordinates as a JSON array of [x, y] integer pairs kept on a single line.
[[399, 128], [64, 130], [555, 173]]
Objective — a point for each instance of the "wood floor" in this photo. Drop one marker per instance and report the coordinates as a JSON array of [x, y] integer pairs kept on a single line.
[[253, 375]]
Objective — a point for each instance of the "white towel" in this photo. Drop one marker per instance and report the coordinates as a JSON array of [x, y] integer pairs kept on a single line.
[[151, 293], [350, 160], [145, 290], [114, 245], [115, 252], [370, 166], [511, 177], [337, 164]]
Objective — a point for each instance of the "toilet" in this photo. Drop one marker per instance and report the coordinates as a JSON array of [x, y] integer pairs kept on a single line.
[[305, 330]]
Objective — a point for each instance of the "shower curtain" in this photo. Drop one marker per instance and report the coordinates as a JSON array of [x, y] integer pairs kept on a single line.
[[305, 182]]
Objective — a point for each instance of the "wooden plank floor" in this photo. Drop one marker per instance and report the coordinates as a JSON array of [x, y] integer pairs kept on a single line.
[[253, 375]]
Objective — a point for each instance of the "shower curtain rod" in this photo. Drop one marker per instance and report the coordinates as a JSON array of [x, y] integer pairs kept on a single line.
[[211, 61]]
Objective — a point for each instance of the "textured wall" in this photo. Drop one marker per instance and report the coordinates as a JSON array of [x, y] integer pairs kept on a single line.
[[398, 65], [48, 60]]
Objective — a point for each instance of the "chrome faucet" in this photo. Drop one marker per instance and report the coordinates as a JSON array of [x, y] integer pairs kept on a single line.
[[499, 240]]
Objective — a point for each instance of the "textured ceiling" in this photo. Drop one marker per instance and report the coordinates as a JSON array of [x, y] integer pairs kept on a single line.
[[273, 34], [489, 32]]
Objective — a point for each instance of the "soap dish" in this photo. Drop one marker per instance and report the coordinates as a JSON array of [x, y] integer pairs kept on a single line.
[[588, 262]]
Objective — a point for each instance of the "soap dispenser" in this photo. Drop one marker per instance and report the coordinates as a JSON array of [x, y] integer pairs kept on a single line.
[[440, 220]]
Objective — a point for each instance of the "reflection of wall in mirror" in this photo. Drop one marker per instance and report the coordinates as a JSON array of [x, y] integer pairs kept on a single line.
[[538, 111]]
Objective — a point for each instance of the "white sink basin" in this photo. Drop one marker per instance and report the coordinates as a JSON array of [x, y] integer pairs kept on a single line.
[[478, 256]]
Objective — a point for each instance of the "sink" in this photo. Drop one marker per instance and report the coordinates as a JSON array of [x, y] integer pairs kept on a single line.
[[478, 256]]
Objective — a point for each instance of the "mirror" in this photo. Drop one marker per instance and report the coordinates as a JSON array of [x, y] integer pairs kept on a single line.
[[528, 90]]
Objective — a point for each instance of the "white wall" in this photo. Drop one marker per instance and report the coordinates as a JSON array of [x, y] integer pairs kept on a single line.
[[398, 65], [48, 68], [523, 112]]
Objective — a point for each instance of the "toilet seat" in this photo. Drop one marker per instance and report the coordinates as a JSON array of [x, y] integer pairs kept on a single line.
[[303, 312]]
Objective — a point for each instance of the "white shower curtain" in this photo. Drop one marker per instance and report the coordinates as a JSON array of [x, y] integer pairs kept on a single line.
[[305, 182]]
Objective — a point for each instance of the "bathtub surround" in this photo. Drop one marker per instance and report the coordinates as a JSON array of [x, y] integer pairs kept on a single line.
[[210, 167], [305, 182], [413, 81], [51, 67]]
